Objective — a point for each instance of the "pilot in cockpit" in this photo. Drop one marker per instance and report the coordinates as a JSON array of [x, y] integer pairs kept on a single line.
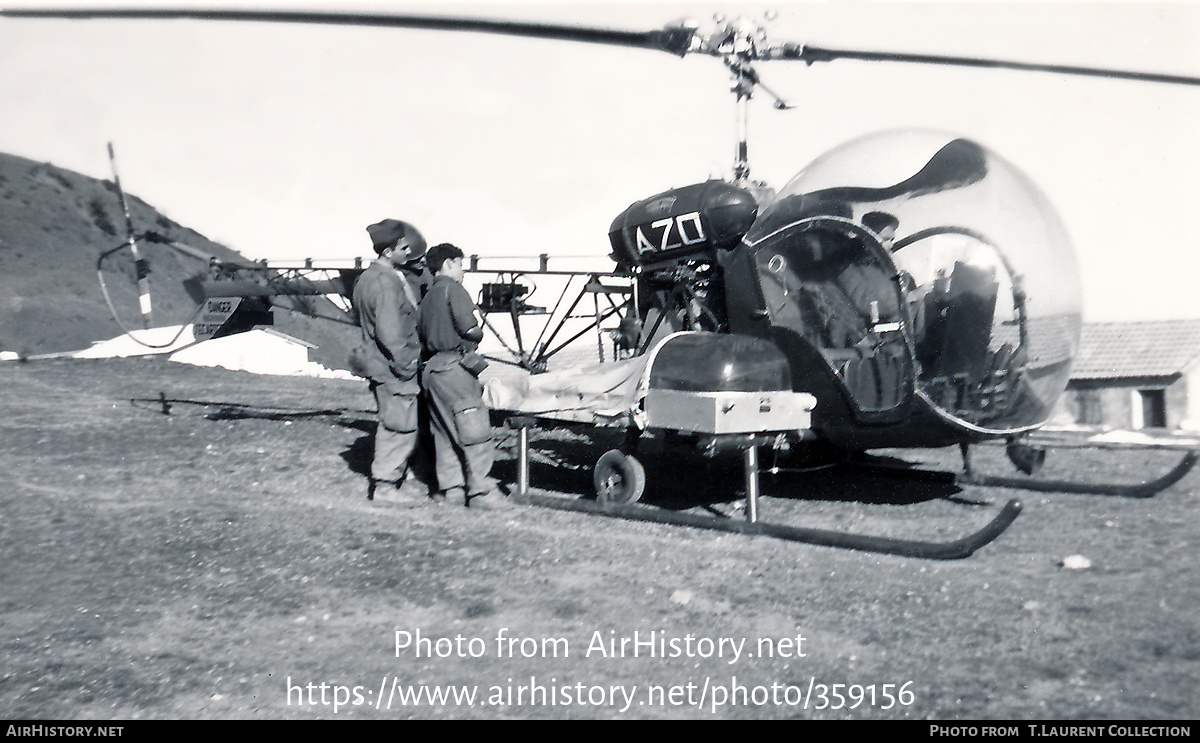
[[866, 284], [883, 225]]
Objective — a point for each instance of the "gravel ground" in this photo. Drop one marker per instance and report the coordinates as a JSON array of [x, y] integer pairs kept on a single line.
[[220, 560]]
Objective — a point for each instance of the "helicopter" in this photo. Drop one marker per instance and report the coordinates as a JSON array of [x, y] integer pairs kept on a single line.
[[882, 279]]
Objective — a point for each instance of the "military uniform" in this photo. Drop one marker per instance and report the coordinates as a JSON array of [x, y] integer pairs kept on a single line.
[[459, 419], [387, 306]]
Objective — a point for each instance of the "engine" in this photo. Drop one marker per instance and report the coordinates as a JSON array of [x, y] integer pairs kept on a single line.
[[672, 242]]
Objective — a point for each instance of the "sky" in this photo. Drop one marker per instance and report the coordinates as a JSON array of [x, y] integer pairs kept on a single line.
[[283, 142]]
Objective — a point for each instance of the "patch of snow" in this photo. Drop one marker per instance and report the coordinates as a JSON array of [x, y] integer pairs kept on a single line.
[[140, 343], [258, 351], [1136, 437]]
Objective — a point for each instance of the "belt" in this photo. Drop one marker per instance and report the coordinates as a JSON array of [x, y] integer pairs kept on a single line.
[[443, 360]]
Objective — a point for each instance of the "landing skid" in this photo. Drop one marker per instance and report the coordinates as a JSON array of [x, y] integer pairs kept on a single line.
[[1132, 490], [627, 508], [954, 550]]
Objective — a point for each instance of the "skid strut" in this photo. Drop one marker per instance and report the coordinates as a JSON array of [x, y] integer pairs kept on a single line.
[[954, 550]]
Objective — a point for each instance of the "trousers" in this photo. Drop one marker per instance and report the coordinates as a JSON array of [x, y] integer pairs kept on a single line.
[[396, 434], [462, 431]]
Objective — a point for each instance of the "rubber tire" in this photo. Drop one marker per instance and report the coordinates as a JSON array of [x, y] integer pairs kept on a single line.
[[619, 478]]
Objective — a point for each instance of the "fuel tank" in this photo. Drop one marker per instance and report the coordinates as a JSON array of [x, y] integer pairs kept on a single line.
[[718, 383], [719, 362], [686, 223]]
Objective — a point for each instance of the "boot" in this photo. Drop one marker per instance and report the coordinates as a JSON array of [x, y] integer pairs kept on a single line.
[[414, 489], [455, 496], [382, 491], [491, 500]]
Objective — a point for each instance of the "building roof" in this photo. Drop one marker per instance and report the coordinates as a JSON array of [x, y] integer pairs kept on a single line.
[[1118, 350], [259, 351]]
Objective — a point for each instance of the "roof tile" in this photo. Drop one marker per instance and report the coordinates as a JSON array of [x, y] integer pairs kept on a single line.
[[1116, 350]]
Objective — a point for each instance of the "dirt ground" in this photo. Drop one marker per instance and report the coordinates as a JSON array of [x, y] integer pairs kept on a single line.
[[216, 557]]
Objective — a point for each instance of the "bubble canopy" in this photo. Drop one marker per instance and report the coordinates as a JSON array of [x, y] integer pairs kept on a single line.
[[975, 302]]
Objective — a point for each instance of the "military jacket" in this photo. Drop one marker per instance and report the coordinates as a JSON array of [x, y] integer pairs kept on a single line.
[[447, 315], [388, 313]]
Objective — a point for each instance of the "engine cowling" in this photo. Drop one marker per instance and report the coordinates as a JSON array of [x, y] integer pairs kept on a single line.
[[688, 223]]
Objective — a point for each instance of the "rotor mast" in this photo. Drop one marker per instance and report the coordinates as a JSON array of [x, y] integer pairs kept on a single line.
[[738, 43], [743, 89]]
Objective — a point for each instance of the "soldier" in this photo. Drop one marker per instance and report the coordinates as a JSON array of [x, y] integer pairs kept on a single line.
[[386, 298], [462, 432]]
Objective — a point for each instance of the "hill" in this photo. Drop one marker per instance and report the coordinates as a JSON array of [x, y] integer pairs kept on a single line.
[[55, 224]]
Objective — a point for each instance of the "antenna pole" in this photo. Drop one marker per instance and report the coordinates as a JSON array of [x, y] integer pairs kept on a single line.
[[141, 266]]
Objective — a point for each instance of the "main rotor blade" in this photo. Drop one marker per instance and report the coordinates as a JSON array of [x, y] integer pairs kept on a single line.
[[673, 39], [811, 54], [676, 40]]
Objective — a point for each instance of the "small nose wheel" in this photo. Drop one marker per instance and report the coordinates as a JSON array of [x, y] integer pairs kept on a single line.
[[619, 478]]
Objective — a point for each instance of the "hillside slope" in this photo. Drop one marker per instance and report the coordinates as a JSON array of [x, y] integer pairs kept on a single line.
[[55, 224]]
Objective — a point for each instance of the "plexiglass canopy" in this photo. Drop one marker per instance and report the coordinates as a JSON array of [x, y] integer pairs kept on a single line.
[[979, 298]]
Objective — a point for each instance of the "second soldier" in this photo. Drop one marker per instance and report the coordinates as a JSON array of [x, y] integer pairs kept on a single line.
[[459, 419]]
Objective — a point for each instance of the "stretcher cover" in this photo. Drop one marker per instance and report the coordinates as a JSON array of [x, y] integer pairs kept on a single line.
[[597, 393]]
